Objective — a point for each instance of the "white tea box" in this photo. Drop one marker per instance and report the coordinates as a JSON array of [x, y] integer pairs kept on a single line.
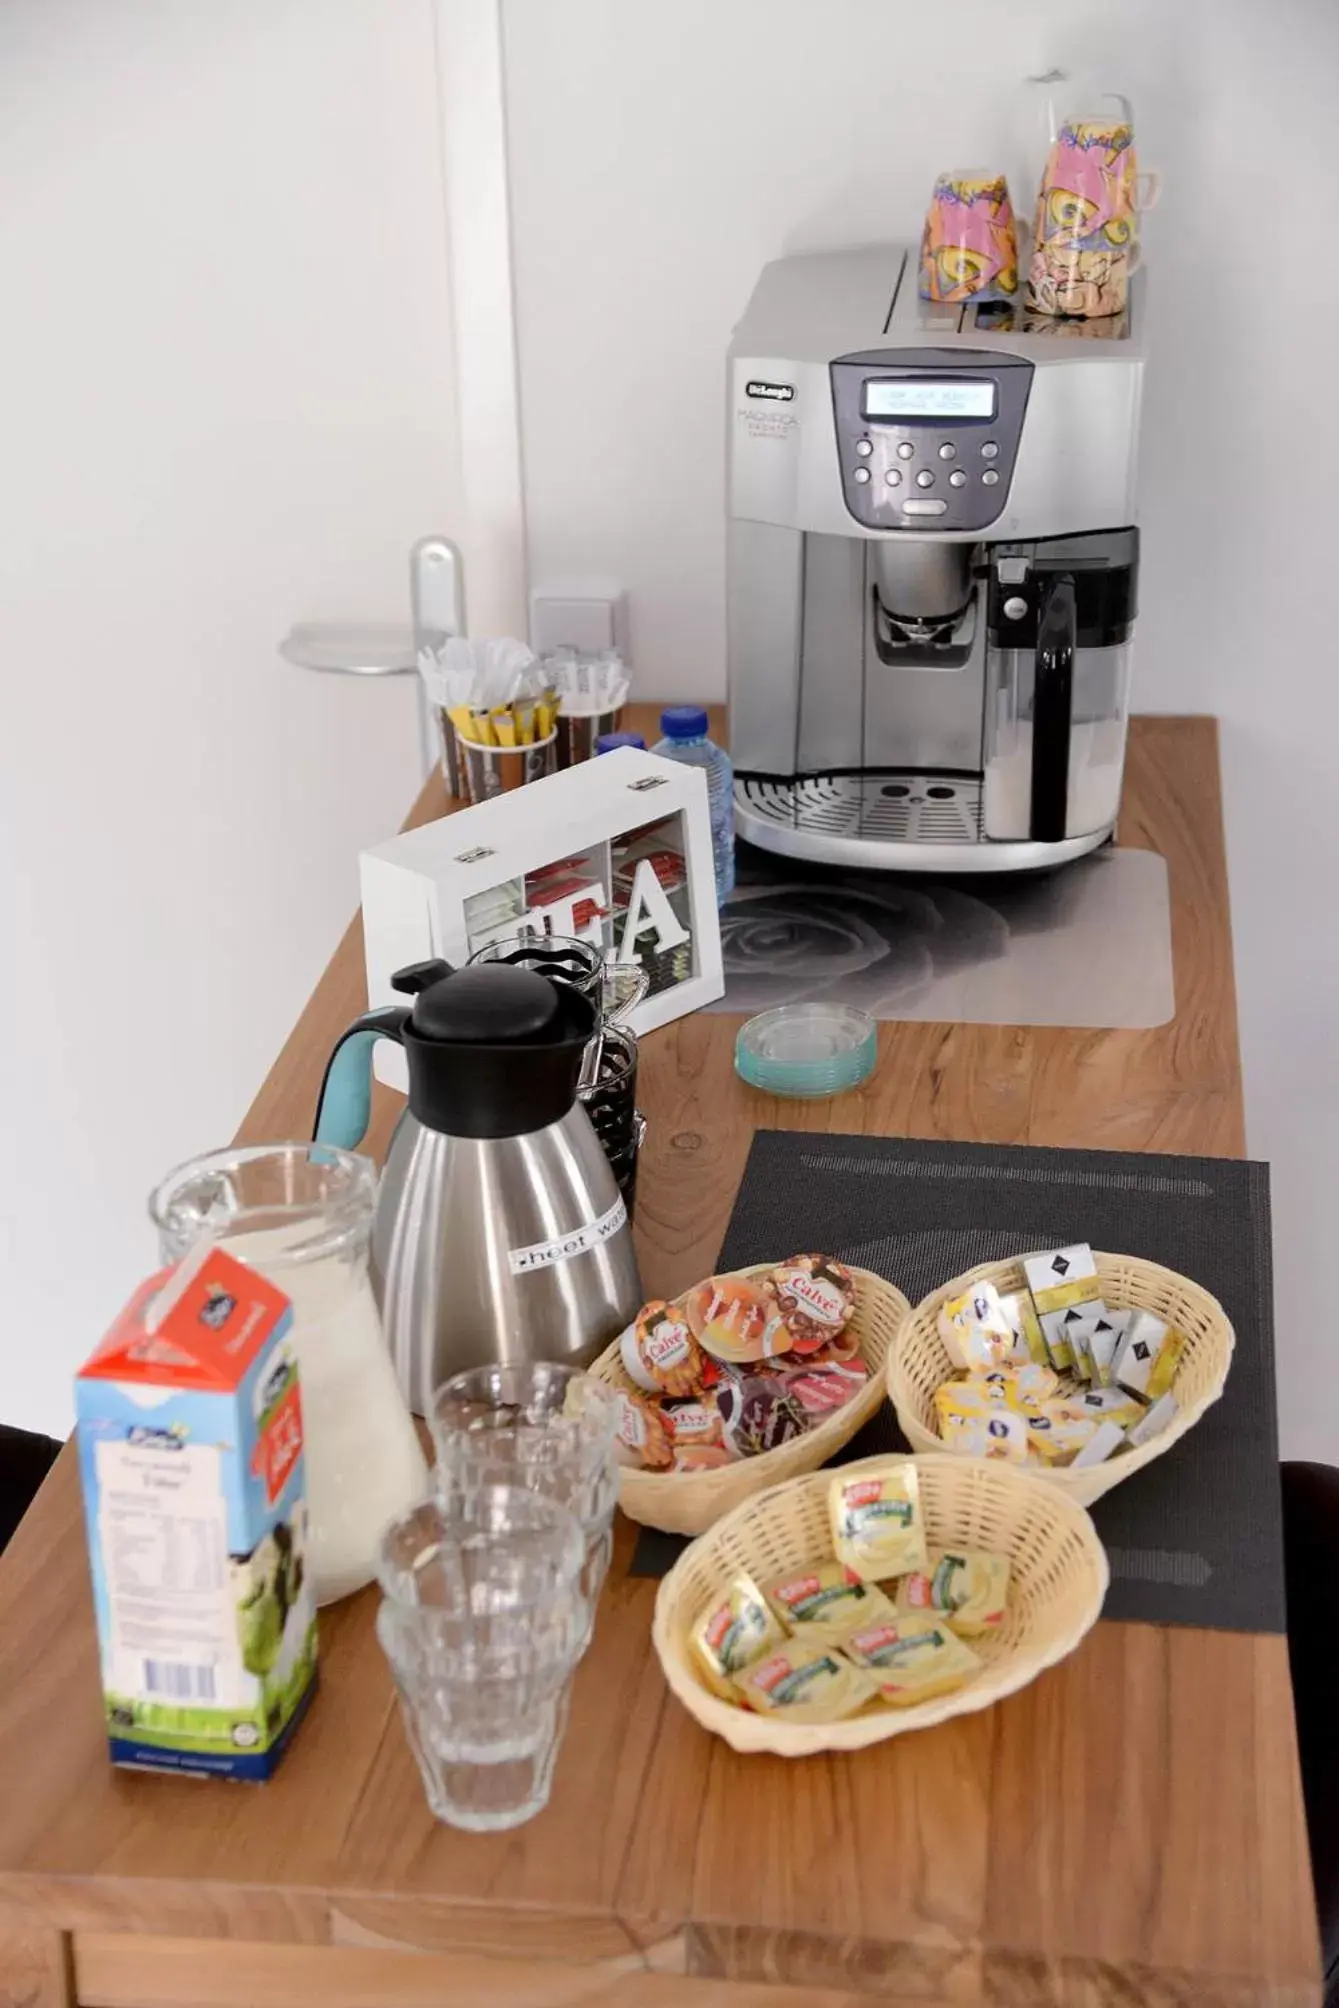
[[616, 851]]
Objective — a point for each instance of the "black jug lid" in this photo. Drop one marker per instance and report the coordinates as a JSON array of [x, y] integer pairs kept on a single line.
[[489, 1003], [494, 1050]]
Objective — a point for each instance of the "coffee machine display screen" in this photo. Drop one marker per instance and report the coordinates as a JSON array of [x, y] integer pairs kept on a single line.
[[928, 397]]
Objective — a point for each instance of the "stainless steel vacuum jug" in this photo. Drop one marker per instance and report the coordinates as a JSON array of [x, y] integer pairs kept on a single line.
[[499, 1231]]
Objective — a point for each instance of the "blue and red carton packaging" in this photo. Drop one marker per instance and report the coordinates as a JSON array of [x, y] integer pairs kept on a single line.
[[190, 1452]]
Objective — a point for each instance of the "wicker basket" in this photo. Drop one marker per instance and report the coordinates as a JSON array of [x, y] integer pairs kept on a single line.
[[1058, 1583], [687, 1502], [919, 1361]]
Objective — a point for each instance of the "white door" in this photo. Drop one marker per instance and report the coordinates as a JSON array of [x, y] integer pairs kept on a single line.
[[226, 404]]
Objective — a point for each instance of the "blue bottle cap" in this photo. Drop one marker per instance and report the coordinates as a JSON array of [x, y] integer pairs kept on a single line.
[[609, 741], [684, 721]]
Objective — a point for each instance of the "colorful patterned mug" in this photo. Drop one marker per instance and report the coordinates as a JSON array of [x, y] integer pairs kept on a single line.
[[969, 250], [1085, 243]]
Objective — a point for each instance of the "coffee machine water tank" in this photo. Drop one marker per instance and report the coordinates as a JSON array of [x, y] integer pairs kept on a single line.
[[932, 570]]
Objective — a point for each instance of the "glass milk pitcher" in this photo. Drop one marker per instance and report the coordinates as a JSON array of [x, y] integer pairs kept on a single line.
[[302, 1215]]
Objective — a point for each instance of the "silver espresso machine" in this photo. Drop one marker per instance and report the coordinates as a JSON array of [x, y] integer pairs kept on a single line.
[[932, 571]]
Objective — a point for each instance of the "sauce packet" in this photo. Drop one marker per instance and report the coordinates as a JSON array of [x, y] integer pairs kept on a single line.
[[640, 1436], [735, 1320], [758, 1414], [878, 1529], [805, 1681], [701, 1456], [660, 1353], [964, 1588], [736, 1628], [821, 1389], [815, 1298], [690, 1424], [825, 1601], [913, 1660]]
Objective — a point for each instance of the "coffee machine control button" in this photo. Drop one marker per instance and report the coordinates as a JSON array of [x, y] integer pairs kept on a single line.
[[923, 505], [925, 479], [989, 450], [990, 477], [894, 477], [905, 450], [862, 474], [948, 451], [957, 479], [1014, 608], [864, 447]]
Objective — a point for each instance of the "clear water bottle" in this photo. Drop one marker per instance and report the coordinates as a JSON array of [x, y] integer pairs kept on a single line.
[[685, 740]]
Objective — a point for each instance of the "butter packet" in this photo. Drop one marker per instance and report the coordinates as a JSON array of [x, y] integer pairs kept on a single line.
[[1102, 1335], [1105, 1441], [1029, 1339], [1061, 1278], [1073, 1327], [975, 1330], [913, 1660], [1002, 1434], [878, 1529], [965, 1588], [1096, 1404], [825, 1601], [1033, 1385], [973, 1395], [1057, 1440], [1162, 1412], [1149, 1356], [805, 1681], [735, 1629], [1058, 1349]]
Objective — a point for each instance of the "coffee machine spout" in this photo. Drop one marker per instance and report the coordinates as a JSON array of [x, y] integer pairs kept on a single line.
[[917, 580]]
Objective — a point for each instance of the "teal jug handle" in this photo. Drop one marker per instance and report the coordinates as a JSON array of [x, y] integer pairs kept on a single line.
[[344, 1107]]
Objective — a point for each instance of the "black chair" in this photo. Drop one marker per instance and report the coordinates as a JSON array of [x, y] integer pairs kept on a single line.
[[24, 1462], [1311, 1564]]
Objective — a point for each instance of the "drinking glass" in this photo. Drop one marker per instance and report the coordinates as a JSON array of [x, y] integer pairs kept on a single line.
[[301, 1214], [482, 1624], [546, 1427]]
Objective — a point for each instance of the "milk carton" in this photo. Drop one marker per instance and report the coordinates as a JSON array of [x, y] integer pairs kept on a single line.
[[190, 1452]]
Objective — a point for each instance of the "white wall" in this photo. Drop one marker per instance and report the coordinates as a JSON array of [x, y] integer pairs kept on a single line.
[[661, 155], [225, 404]]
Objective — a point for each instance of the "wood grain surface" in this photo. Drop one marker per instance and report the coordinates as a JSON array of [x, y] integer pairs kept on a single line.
[[1128, 1829]]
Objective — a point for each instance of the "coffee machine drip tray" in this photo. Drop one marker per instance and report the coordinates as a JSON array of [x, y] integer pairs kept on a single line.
[[890, 821]]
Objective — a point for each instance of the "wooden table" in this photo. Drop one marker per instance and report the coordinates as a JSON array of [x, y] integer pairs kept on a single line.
[[1129, 1829]]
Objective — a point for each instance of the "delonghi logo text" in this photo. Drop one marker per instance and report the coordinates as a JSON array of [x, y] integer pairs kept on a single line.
[[779, 393]]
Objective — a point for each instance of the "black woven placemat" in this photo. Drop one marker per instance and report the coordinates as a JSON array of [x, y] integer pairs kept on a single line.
[[1195, 1538]]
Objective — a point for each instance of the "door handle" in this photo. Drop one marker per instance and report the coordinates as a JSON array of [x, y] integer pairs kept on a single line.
[[347, 649]]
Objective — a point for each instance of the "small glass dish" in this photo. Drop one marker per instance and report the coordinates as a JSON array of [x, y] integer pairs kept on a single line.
[[807, 1051]]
